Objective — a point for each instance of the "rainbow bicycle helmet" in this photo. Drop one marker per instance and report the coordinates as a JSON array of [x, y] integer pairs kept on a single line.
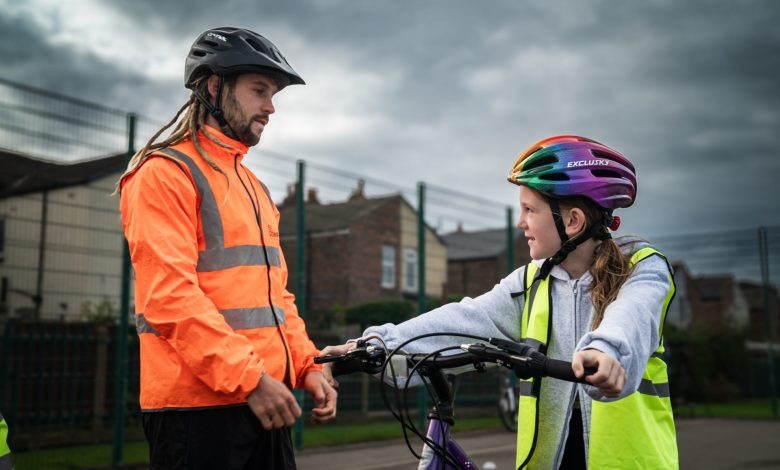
[[565, 166], [568, 166]]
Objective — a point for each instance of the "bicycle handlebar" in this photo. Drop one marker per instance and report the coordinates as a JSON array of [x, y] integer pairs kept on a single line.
[[524, 360]]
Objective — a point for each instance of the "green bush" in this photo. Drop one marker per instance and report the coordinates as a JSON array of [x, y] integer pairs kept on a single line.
[[320, 320], [378, 313], [103, 313], [707, 363]]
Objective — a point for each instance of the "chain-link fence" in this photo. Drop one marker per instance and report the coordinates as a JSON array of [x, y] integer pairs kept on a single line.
[[360, 251]]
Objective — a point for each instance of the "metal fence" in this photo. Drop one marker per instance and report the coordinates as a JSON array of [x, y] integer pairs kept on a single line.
[[359, 250]]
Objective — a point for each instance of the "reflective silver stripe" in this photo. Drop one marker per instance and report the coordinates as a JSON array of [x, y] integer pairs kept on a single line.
[[525, 388], [536, 344], [216, 257], [248, 318], [237, 318], [142, 326], [265, 189], [647, 387], [243, 255], [213, 233]]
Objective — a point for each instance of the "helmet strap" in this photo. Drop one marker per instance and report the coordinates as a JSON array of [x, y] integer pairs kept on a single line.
[[216, 109], [558, 218], [598, 230]]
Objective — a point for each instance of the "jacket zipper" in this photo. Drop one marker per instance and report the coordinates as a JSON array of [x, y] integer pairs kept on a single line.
[[287, 377]]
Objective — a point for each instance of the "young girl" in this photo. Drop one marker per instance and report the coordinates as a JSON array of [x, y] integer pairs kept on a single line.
[[585, 298]]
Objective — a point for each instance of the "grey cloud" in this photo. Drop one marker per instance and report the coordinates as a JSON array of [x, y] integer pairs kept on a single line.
[[687, 89]]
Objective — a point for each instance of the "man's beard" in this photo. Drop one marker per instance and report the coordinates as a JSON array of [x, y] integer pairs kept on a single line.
[[240, 127]]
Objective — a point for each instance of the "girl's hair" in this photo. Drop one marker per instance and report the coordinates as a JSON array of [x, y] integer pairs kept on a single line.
[[188, 126], [611, 267]]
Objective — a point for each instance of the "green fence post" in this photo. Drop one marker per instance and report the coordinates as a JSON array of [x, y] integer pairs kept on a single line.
[[121, 332], [300, 275], [770, 350], [510, 241], [421, 303]]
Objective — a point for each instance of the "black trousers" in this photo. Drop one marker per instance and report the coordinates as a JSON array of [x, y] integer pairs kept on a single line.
[[221, 438], [574, 452]]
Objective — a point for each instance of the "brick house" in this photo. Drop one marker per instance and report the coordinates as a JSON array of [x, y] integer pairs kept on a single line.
[[716, 299], [754, 295], [709, 300], [361, 250], [477, 260], [680, 312]]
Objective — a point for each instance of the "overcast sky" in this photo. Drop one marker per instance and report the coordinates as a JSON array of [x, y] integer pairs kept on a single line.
[[450, 91]]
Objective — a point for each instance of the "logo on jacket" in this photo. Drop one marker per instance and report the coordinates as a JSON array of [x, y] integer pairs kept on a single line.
[[272, 232]]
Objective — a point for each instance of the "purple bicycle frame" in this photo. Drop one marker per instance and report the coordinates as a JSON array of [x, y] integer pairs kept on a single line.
[[437, 430]]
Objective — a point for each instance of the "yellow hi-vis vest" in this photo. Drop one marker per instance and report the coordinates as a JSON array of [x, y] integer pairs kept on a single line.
[[5, 452], [635, 432]]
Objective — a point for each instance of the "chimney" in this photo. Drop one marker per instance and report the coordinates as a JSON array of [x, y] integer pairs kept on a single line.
[[358, 193], [311, 196], [289, 199], [460, 227]]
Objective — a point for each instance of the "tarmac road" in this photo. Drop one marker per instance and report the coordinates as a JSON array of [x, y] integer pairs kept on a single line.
[[717, 444]]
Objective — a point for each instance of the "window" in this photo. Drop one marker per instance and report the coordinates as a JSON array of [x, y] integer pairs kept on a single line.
[[410, 269], [388, 266]]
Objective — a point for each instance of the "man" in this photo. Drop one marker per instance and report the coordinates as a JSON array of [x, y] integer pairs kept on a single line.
[[222, 344], [5, 451]]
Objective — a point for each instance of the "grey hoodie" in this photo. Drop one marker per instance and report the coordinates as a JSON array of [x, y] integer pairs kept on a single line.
[[628, 332]]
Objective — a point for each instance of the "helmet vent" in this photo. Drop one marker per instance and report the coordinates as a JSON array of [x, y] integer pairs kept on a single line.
[[256, 45], [554, 177], [601, 173], [605, 155], [210, 43], [537, 162], [199, 53]]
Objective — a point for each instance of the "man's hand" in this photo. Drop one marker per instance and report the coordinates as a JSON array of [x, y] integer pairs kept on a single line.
[[335, 351], [609, 377], [323, 394], [273, 404]]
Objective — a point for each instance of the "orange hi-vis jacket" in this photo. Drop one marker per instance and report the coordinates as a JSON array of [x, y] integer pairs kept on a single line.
[[212, 309]]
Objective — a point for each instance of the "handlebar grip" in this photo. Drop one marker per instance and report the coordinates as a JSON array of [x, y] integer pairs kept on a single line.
[[562, 370], [324, 359], [348, 366]]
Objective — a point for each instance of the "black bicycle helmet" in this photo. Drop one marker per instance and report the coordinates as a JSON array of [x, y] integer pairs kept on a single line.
[[226, 51]]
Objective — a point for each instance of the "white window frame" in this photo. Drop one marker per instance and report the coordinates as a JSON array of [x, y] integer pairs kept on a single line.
[[388, 266], [410, 270]]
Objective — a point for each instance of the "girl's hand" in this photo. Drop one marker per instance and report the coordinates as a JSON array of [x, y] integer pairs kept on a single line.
[[335, 351], [609, 377]]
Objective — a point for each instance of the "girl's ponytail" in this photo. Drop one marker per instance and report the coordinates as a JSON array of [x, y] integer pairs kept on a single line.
[[610, 270], [610, 267]]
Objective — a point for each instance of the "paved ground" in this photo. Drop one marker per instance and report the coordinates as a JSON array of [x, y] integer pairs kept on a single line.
[[703, 443]]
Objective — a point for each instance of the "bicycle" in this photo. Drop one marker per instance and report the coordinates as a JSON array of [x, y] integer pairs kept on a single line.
[[440, 451], [508, 395]]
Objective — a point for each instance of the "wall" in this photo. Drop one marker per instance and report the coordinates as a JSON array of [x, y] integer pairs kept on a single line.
[[83, 250]]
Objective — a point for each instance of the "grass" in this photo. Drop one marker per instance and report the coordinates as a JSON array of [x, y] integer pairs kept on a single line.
[[99, 456], [94, 456], [750, 409]]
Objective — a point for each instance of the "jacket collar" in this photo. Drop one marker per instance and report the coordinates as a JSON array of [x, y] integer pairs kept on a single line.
[[217, 151], [559, 273]]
